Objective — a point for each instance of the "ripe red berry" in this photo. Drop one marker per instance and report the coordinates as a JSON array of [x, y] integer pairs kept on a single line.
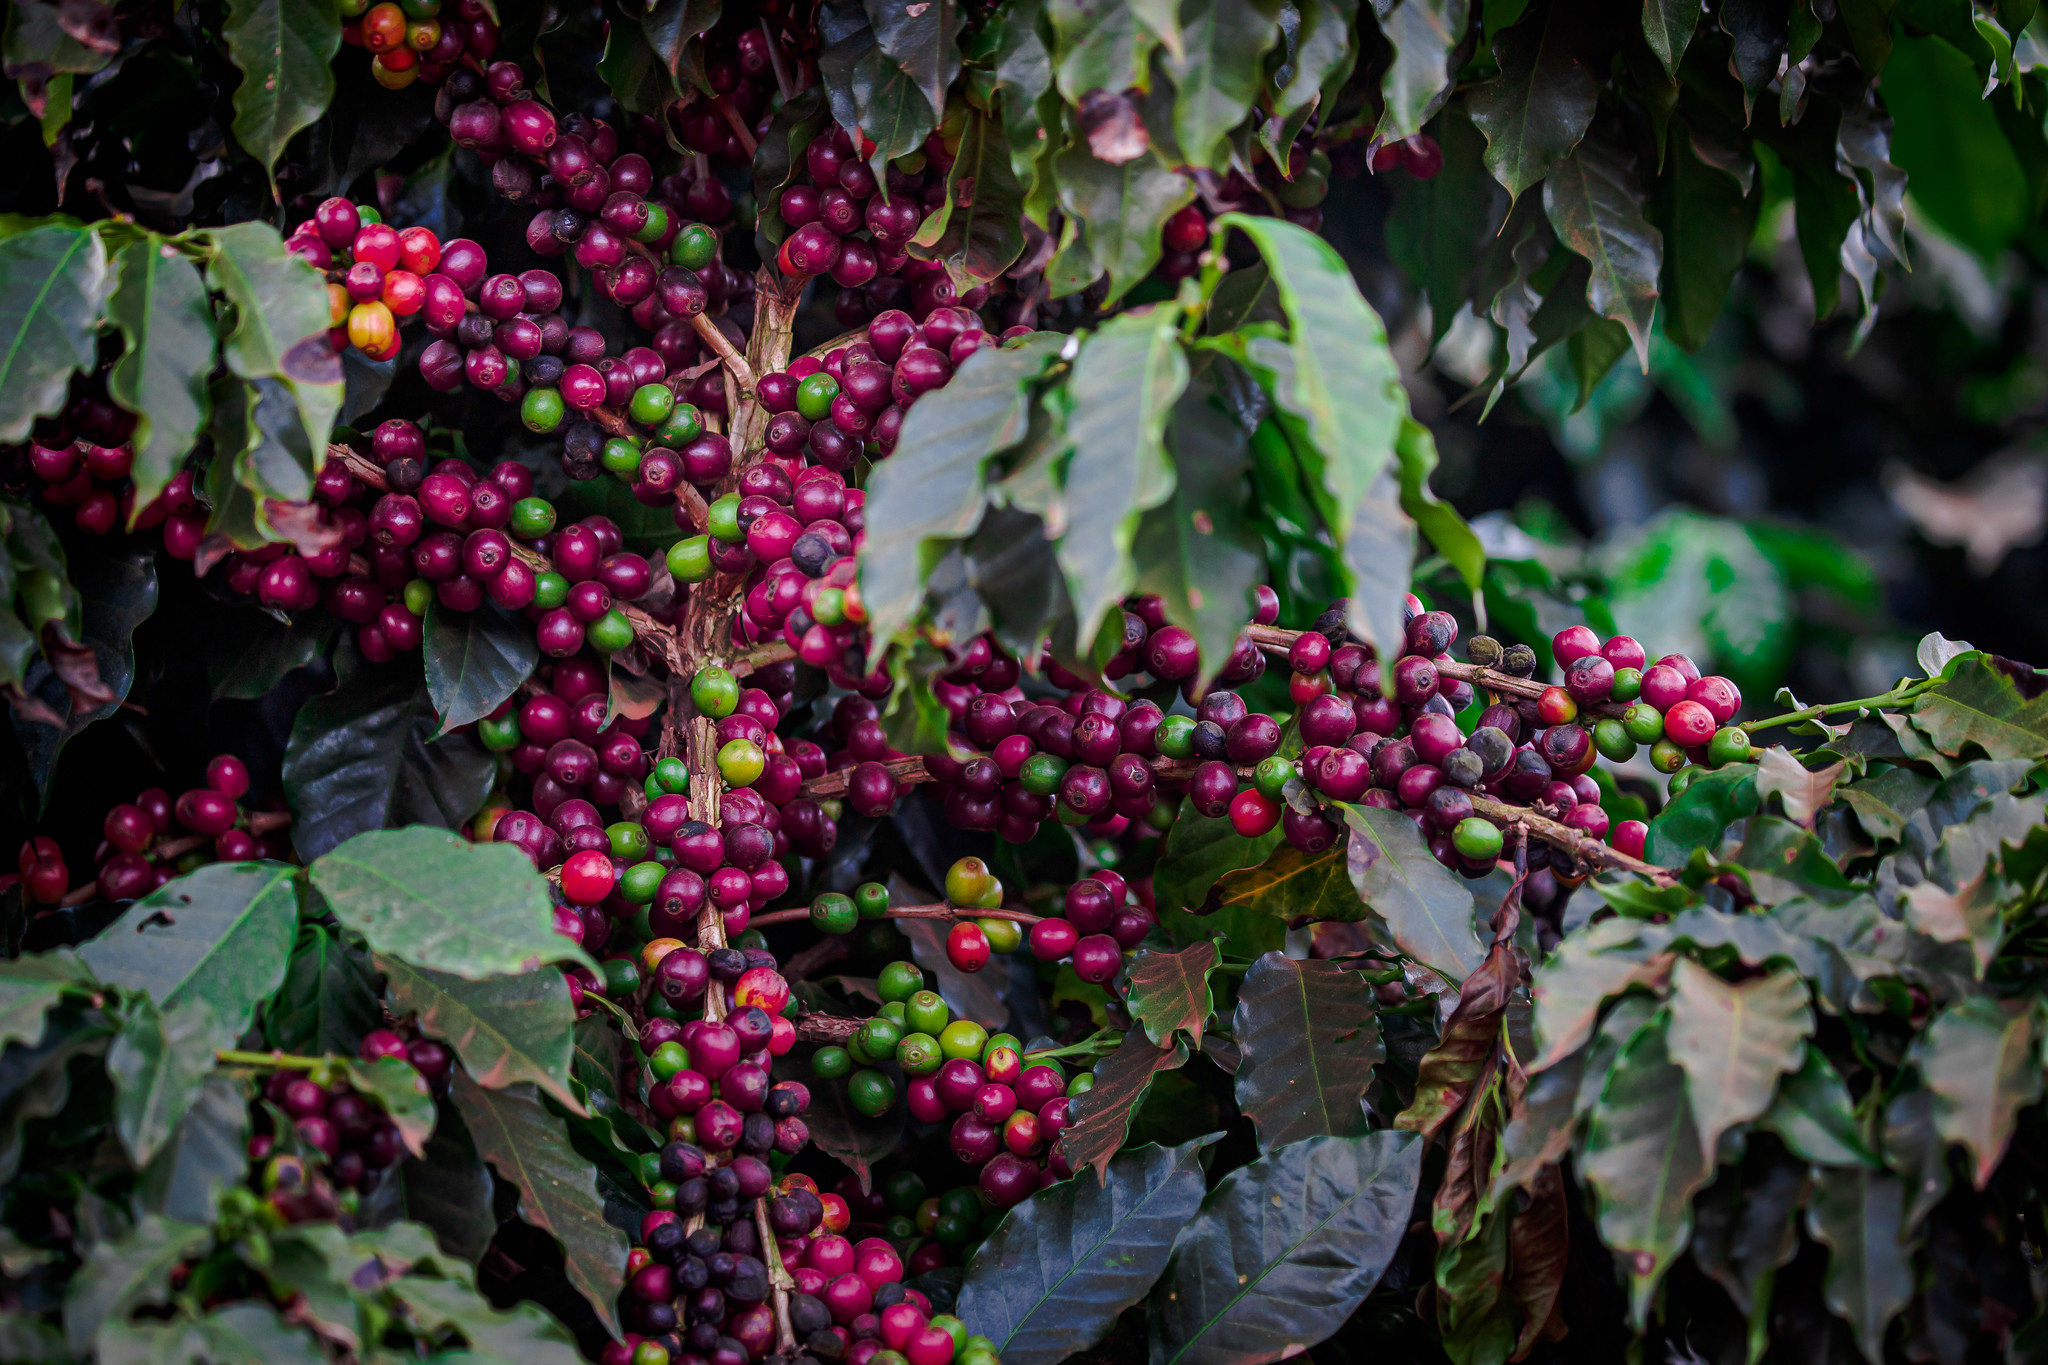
[[967, 947]]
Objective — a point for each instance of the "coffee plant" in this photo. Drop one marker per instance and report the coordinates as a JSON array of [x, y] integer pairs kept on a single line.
[[699, 682]]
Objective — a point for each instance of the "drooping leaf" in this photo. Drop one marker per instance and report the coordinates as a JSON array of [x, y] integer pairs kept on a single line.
[[363, 758], [125, 1272], [1217, 72], [1706, 220], [1746, 1228], [1126, 380], [159, 303], [1099, 45], [29, 986], [1537, 109], [1858, 1215], [157, 1063], [1285, 1250], [1440, 226], [672, 28], [117, 592], [1594, 963], [1061, 1267], [1595, 207], [329, 1000], [1813, 1115], [402, 1093], [1642, 1157], [1981, 706], [1310, 1037], [222, 934], [1981, 1058], [53, 281], [1466, 1052], [984, 231], [1734, 1042], [1169, 992], [1758, 32], [1447, 531], [474, 661], [529, 1147], [923, 41], [1425, 906], [1121, 208], [282, 48], [509, 1030], [280, 328], [930, 490], [870, 93], [205, 1154], [1425, 35], [1198, 550], [1102, 1116], [1668, 26]]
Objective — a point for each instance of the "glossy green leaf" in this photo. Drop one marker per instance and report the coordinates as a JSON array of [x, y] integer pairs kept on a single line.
[[474, 661], [125, 1272], [1982, 707], [1734, 1042], [1538, 108], [1947, 140], [1415, 449], [449, 1189], [53, 282], [222, 934], [206, 1153], [1124, 385], [1198, 852], [984, 230], [1858, 1215], [1668, 27], [159, 303], [1698, 816], [1425, 35], [1121, 209], [870, 93], [1642, 1158], [1426, 907], [402, 1093], [1815, 1117], [1982, 1059], [329, 999], [1053, 1278], [672, 28], [1291, 884], [1284, 1250], [1706, 220], [157, 1064], [1217, 73], [1099, 45], [529, 1147], [1596, 209], [280, 311], [509, 1030], [30, 985], [1310, 1037], [282, 48], [1199, 550], [923, 41], [1101, 1116], [363, 757], [1169, 992], [931, 489], [1758, 32], [443, 903]]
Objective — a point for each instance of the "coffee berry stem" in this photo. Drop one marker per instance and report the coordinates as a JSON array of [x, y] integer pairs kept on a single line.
[[1898, 696], [1278, 641], [1560, 835], [942, 912]]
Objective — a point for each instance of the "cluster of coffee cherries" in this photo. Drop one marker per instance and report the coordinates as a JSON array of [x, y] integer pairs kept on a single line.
[[148, 841], [376, 274], [795, 539], [81, 459], [416, 39], [929, 1230], [1005, 1111]]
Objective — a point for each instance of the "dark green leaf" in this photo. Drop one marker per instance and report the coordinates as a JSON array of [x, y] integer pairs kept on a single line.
[[1285, 1250], [1415, 448], [222, 934], [1982, 706], [848, 1136], [474, 661], [125, 1273], [1425, 35], [282, 48], [329, 1000], [207, 1153], [403, 1095], [1537, 109], [1099, 45], [510, 1030], [922, 40], [984, 229], [30, 986], [280, 328], [1758, 28], [1597, 961], [1707, 221], [1426, 907], [449, 1190], [1169, 992], [363, 758], [157, 1063], [1440, 226], [1858, 1215], [1815, 1117], [789, 133], [117, 591], [1121, 209], [159, 303], [870, 93], [1102, 1116], [1916, 1151], [1668, 26], [633, 71], [1595, 207], [1199, 851], [671, 28], [931, 489], [1291, 884], [1067, 1261], [1217, 71], [256, 651], [1745, 1227], [1699, 815], [1310, 1036], [53, 281]]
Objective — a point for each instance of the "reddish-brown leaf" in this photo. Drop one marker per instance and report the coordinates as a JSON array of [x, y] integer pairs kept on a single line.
[[1170, 991], [1102, 1116], [1454, 1067]]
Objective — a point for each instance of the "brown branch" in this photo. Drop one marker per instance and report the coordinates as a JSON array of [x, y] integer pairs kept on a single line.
[[737, 124], [956, 913], [826, 1028], [721, 345], [1560, 835], [1277, 641]]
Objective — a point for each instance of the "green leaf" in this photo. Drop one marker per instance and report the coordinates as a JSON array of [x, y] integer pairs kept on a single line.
[[1324, 55], [1425, 35], [509, 1030], [922, 40], [222, 934], [157, 1063], [282, 48], [1310, 1036], [117, 592], [1425, 906], [443, 903], [1668, 27], [402, 1093], [1982, 1059], [1053, 1278], [1734, 1042], [207, 1153], [1815, 1117], [1593, 964], [1698, 816], [984, 230], [1858, 1215], [474, 661], [775, 158], [1102, 1115], [1757, 29], [1594, 204], [1121, 210], [1415, 448], [280, 329], [329, 999], [1169, 992], [247, 1333], [1982, 706], [931, 489], [633, 71], [870, 93], [1440, 226], [1285, 1250], [671, 26], [159, 303], [449, 1189], [1099, 45], [1218, 71], [1642, 1158], [1745, 1228], [53, 282], [558, 1189], [29, 986], [1291, 884], [1538, 108], [1947, 140], [526, 1332], [1198, 550], [1123, 388], [123, 1273], [1197, 852], [363, 757]]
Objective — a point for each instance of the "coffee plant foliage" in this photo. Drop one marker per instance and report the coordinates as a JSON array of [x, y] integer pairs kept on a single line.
[[697, 681]]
